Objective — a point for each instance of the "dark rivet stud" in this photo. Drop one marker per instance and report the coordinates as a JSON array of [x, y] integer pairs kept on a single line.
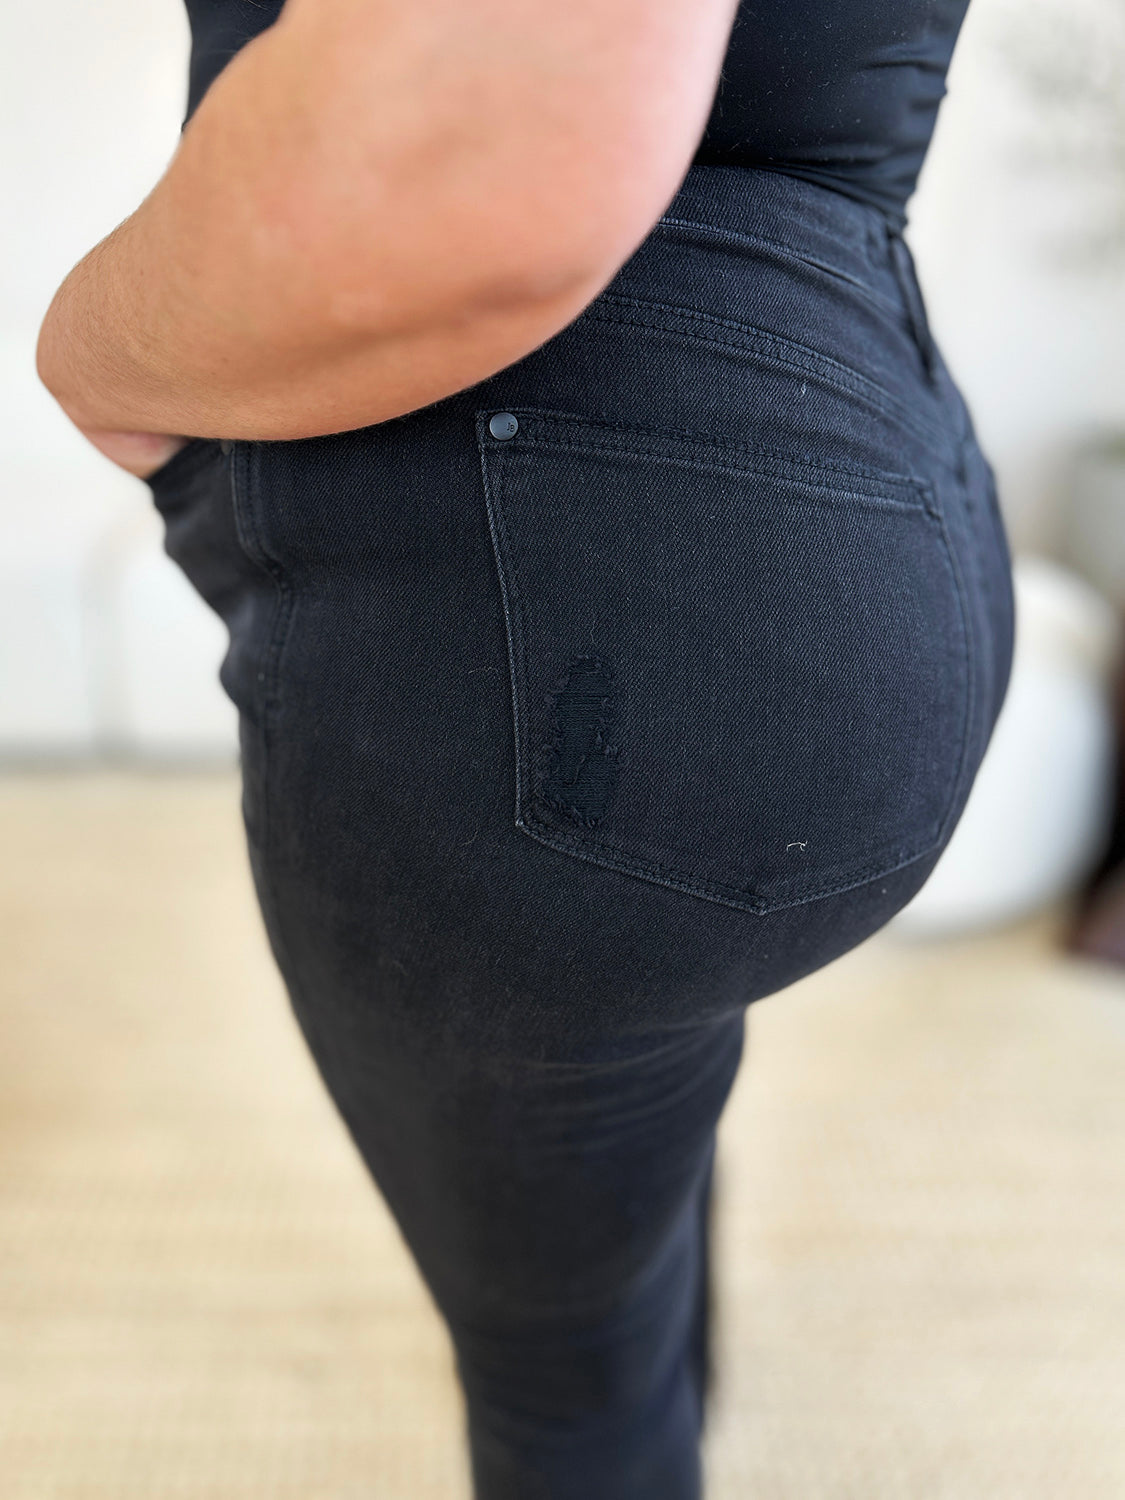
[[503, 425]]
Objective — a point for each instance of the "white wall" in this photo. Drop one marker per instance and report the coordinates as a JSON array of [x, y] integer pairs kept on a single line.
[[103, 646], [1036, 345]]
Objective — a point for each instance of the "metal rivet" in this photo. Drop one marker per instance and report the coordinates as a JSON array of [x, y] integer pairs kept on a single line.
[[503, 425]]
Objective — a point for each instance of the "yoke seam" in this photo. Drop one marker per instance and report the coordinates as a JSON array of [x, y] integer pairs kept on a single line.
[[734, 237], [782, 353]]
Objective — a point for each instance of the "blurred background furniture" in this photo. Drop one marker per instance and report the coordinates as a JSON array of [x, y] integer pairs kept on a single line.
[[1039, 817]]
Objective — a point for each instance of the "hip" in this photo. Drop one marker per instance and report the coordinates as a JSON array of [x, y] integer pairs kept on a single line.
[[722, 604]]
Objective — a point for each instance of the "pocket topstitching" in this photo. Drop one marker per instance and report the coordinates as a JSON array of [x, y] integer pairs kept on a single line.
[[735, 673]]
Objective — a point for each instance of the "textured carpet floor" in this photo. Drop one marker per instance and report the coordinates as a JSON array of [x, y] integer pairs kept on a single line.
[[921, 1245]]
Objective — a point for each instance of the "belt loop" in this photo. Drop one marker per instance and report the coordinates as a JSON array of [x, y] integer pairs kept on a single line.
[[902, 263]]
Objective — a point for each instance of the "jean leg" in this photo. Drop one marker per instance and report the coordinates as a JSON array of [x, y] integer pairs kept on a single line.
[[556, 1206]]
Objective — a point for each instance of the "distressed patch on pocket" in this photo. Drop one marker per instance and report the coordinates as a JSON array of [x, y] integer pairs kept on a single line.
[[580, 756], [736, 673]]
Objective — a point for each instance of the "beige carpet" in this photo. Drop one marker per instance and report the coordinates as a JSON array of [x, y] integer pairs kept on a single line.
[[921, 1247]]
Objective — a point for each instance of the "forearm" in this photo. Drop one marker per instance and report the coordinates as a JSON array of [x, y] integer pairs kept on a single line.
[[119, 351], [377, 205], [222, 306]]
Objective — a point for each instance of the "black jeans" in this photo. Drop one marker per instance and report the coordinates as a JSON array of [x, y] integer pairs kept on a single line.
[[580, 710]]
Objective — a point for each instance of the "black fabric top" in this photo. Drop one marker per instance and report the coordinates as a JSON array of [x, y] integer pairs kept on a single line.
[[842, 92]]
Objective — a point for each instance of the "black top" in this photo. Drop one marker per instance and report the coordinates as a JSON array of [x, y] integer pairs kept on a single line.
[[842, 92]]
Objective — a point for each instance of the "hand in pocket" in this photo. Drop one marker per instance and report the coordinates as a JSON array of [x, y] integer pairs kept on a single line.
[[139, 453]]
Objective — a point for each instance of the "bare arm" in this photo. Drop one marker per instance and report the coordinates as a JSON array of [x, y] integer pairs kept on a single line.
[[377, 204]]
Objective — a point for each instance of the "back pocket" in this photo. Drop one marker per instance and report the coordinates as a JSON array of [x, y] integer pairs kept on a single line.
[[734, 673]]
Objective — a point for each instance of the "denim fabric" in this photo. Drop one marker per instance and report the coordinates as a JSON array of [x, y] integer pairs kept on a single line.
[[562, 747]]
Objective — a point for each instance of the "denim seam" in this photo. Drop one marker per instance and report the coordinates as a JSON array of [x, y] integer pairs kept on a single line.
[[246, 459], [246, 467], [498, 532], [902, 265], [777, 470], [684, 437], [785, 354], [965, 767], [748, 335], [737, 238], [609, 855]]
